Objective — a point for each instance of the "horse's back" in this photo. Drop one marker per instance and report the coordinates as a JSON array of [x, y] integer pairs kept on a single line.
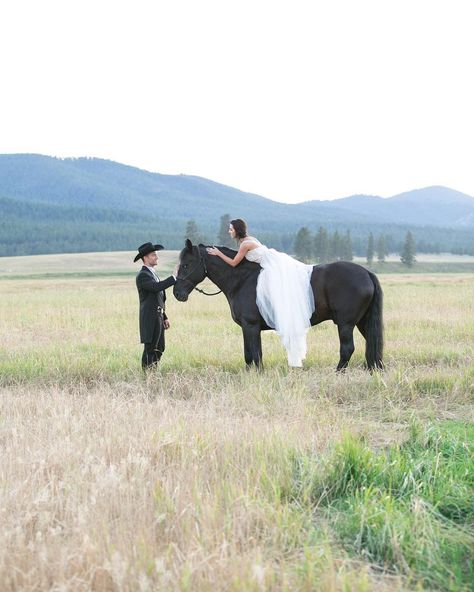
[[342, 290]]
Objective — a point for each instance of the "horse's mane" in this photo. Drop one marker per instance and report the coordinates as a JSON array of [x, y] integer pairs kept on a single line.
[[228, 251]]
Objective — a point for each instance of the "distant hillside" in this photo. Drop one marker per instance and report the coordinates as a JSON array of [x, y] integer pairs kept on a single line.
[[434, 206], [83, 204]]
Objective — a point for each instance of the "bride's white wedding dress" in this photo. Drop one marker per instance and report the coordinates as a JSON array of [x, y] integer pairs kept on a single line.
[[284, 297]]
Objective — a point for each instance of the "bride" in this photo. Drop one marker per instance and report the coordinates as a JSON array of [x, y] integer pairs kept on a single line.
[[284, 295]]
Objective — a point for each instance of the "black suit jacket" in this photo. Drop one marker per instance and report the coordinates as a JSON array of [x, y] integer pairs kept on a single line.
[[152, 295]]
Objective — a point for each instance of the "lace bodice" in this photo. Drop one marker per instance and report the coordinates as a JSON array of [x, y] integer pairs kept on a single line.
[[255, 255]]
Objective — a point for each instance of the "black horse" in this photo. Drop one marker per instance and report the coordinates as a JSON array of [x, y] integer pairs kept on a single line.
[[344, 292]]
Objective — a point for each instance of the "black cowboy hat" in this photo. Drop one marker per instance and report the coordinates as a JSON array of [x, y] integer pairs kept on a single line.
[[147, 248]]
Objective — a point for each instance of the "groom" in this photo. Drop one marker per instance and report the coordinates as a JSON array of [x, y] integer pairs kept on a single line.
[[151, 292]]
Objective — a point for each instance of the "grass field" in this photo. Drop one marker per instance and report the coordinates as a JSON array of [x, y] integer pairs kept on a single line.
[[203, 476], [118, 263]]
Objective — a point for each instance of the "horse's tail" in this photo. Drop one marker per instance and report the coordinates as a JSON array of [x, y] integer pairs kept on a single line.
[[374, 327]]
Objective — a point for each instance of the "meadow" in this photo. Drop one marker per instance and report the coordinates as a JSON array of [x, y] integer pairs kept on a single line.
[[204, 476]]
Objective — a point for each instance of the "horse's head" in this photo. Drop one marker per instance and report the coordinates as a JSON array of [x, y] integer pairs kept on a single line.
[[192, 270]]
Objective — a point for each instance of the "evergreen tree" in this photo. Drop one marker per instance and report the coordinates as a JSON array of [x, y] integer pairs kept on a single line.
[[407, 256], [335, 248], [223, 238], [303, 245], [321, 245], [381, 250], [192, 232], [346, 247], [370, 249]]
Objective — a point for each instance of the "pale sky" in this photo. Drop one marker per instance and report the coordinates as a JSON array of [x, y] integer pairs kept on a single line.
[[293, 99]]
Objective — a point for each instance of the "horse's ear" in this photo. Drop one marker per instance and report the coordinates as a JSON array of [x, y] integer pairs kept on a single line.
[[201, 245], [189, 245]]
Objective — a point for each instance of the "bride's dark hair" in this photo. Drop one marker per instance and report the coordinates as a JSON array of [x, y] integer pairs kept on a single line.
[[240, 227]]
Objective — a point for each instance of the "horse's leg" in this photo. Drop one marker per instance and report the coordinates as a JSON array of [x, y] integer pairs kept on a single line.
[[346, 349], [371, 328], [362, 326], [252, 345]]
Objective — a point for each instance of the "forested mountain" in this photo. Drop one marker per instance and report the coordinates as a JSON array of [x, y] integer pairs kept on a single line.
[[85, 204]]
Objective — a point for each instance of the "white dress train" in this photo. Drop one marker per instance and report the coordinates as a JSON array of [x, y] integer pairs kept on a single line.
[[284, 298]]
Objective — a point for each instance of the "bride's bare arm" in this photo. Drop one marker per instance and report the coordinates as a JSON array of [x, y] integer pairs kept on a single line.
[[237, 259]]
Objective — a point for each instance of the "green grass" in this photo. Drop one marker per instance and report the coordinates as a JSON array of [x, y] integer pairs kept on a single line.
[[120, 263], [67, 275], [422, 267], [409, 509]]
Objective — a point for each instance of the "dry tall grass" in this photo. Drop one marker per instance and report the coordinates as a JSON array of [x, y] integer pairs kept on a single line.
[[110, 481]]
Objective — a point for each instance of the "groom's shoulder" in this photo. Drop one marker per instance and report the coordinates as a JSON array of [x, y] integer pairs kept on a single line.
[[143, 272]]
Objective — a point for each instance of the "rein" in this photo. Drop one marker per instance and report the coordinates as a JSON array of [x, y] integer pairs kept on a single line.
[[207, 293], [202, 262]]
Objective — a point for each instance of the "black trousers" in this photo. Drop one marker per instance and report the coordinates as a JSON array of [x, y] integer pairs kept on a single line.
[[153, 351]]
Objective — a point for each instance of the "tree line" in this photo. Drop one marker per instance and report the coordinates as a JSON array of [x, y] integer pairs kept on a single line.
[[322, 246], [195, 235], [39, 228]]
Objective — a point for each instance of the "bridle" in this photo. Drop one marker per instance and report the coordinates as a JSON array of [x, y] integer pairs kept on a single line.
[[201, 262]]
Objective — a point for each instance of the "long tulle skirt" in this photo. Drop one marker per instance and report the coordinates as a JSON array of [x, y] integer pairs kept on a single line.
[[286, 302]]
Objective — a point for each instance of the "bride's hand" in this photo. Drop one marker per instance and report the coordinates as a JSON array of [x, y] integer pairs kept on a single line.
[[213, 250]]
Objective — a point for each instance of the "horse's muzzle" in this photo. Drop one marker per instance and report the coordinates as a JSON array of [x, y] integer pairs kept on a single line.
[[180, 295]]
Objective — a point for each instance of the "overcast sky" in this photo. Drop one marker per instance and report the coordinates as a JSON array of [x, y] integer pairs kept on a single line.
[[293, 100]]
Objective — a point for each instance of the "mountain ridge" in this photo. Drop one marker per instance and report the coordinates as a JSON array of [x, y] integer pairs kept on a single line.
[[94, 197]]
